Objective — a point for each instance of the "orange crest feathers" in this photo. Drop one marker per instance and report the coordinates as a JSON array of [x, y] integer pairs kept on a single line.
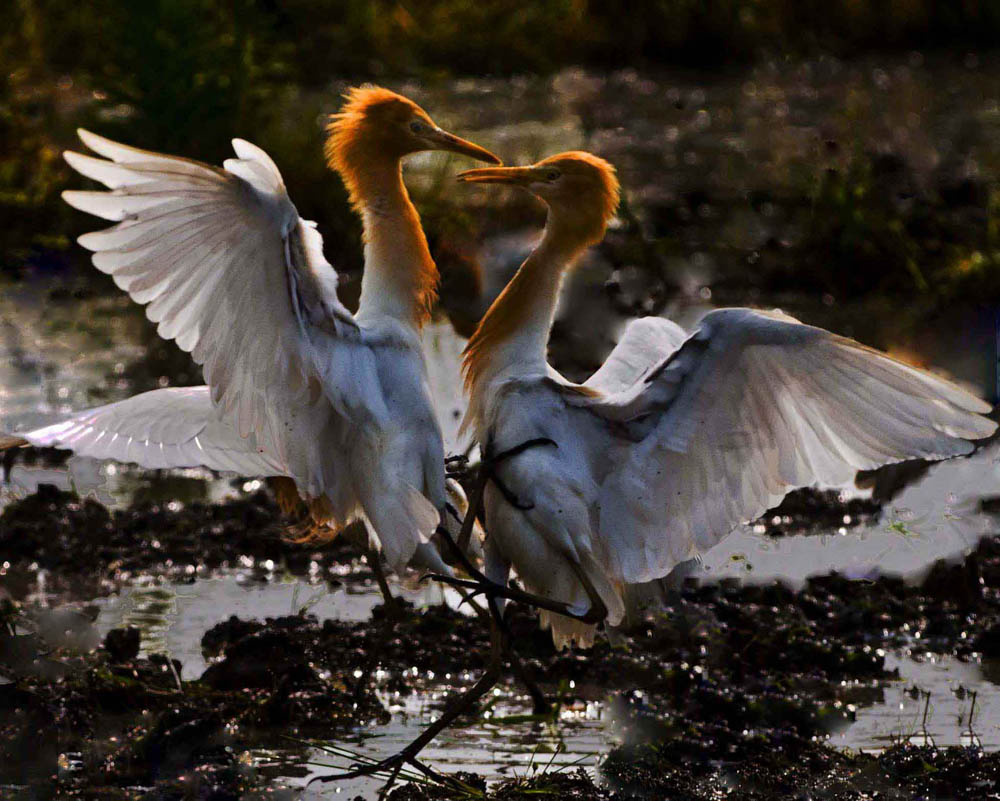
[[596, 191], [360, 130], [582, 197], [365, 141]]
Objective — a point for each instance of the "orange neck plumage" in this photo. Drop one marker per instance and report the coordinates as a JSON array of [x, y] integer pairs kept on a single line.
[[400, 278], [515, 329]]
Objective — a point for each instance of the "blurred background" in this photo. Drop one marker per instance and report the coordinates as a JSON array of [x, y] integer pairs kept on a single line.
[[836, 158]]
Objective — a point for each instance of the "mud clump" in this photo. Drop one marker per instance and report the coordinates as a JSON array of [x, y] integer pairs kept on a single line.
[[66, 534], [113, 722], [813, 511], [713, 704]]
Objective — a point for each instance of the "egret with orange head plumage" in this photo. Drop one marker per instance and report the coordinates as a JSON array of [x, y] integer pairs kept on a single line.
[[297, 386], [677, 438], [673, 442]]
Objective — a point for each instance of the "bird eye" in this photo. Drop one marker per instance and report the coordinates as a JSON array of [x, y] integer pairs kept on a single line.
[[417, 127], [551, 175]]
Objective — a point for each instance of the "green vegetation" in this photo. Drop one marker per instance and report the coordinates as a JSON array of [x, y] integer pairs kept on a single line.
[[876, 237], [185, 75]]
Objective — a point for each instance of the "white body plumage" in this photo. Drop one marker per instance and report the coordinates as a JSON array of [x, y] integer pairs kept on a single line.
[[686, 441]]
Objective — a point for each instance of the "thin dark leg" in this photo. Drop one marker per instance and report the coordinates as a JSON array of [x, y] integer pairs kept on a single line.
[[469, 523], [392, 605], [597, 606], [597, 612], [539, 703], [491, 461], [492, 589], [384, 792], [8, 460], [393, 615]]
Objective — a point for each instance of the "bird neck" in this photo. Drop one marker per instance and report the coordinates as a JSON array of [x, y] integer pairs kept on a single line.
[[400, 278], [512, 338]]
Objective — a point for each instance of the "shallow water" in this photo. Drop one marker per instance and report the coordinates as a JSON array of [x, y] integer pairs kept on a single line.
[[931, 701], [44, 374]]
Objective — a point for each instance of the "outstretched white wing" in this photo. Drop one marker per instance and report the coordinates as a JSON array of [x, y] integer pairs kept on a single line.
[[228, 270], [176, 427], [752, 406], [645, 343], [223, 263]]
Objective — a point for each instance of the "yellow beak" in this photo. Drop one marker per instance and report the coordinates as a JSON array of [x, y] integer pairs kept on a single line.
[[442, 140], [517, 176]]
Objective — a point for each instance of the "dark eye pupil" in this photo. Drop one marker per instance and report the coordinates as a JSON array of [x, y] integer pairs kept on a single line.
[[416, 127], [553, 175]]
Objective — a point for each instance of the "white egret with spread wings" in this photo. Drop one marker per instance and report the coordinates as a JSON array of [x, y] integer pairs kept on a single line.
[[676, 439], [297, 386]]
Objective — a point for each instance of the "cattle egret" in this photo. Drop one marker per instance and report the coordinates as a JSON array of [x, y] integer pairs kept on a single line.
[[676, 439], [297, 386]]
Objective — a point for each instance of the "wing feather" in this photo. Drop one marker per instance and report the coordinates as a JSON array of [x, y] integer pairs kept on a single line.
[[175, 427], [209, 251], [645, 343], [228, 270], [750, 407]]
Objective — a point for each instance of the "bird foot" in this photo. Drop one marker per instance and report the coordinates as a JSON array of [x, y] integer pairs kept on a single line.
[[480, 585], [457, 583], [491, 461]]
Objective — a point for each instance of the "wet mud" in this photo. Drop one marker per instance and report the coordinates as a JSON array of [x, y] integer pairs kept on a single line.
[[712, 702], [90, 548]]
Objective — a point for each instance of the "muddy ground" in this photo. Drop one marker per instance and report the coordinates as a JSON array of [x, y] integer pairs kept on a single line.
[[715, 703]]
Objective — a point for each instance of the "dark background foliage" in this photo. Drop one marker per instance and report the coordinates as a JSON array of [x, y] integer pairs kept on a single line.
[[186, 75]]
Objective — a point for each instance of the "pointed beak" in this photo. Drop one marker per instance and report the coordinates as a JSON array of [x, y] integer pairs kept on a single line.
[[442, 140], [516, 176]]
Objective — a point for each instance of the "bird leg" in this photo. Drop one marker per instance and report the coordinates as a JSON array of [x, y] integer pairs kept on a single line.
[[393, 615], [509, 495], [480, 584], [503, 456], [456, 709], [487, 473], [393, 610], [598, 608], [540, 704], [491, 460], [8, 460], [469, 523]]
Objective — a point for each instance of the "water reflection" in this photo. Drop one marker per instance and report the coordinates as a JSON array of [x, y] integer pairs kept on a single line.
[[505, 742], [936, 700], [493, 749]]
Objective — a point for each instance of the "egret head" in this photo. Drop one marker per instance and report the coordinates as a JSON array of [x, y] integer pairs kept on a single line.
[[580, 189], [376, 123]]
